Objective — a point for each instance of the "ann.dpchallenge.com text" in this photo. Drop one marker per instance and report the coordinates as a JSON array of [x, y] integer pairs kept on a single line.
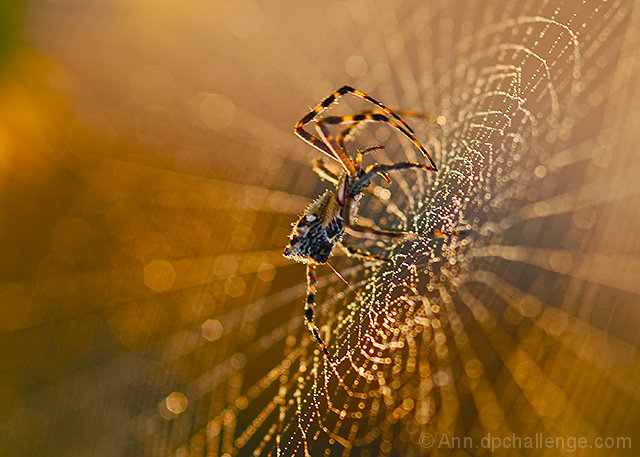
[[513, 441]]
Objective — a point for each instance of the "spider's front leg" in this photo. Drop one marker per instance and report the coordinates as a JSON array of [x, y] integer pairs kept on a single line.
[[320, 168], [321, 142], [309, 308], [362, 231], [350, 205], [346, 133], [354, 120], [369, 173]]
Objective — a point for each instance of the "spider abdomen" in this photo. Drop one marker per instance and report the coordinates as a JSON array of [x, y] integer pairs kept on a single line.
[[317, 231]]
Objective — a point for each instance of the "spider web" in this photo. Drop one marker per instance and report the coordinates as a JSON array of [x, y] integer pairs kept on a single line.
[[525, 323]]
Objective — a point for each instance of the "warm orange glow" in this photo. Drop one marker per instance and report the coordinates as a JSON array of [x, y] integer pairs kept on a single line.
[[149, 176]]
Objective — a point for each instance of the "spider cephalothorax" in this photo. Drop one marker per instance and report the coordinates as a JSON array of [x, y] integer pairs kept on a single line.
[[324, 223]]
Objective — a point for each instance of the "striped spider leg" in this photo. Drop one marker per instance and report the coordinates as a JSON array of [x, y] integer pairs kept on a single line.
[[324, 222]]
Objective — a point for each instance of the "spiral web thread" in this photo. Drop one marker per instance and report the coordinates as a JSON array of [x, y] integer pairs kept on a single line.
[[525, 323], [423, 343]]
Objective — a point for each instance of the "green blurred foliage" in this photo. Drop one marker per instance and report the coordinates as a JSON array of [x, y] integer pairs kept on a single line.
[[12, 14]]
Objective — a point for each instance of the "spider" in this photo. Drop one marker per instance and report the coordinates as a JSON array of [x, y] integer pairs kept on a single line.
[[323, 224]]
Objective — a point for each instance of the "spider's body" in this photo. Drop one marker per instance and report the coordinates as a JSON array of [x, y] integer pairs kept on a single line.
[[321, 227], [317, 231], [324, 223]]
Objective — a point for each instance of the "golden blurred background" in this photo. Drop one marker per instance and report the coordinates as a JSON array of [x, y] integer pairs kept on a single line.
[[149, 176]]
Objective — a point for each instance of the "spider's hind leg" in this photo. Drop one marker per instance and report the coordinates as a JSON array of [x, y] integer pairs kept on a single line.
[[355, 252], [309, 308]]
